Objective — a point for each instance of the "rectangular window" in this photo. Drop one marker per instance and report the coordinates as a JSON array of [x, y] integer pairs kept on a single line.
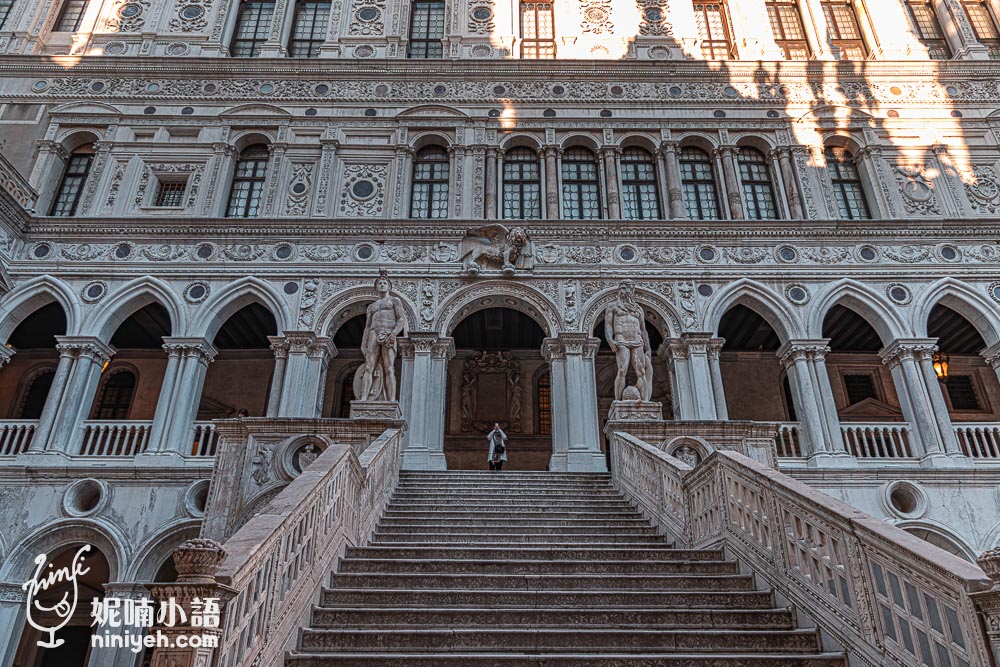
[[71, 16], [984, 25], [309, 28], [928, 29], [253, 26], [789, 32], [713, 28], [170, 193], [538, 37], [71, 187], [5, 7], [962, 393], [859, 388], [845, 32], [426, 30]]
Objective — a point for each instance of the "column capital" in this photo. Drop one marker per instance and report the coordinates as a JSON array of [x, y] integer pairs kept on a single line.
[[6, 353], [308, 343], [12, 593], [990, 354], [279, 346], [798, 349], [570, 343], [902, 349], [200, 348], [427, 343], [85, 346], [668, 147], [54, 147]]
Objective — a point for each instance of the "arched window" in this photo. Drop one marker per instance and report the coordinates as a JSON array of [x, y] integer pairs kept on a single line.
[[639, 192], [984, 24], [789, 32], [698, 183], [544, 398], [5, 7], [312, 17], [581, 197], [74, 177], [115, 398], [928, 28], [248, 182], [758, 193], [522, 185], [847, 188], [430, 184], [713, 29], [426, 29], [35, 394], [845, 32], [253, 27], [538, 36], [71, 16]]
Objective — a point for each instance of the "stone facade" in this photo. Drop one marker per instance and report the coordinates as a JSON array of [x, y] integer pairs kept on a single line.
[[148, 95]]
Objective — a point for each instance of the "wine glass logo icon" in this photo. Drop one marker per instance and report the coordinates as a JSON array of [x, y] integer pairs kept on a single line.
[[48, 576]]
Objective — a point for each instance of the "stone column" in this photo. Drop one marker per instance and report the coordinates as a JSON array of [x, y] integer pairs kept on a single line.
[[923, 406], [734, 194], [576, 443], [12, 615], [180, 393], [675, 195], [551, 182], [490, 198], [48, 170], [819, 425], [791, 185], [423, 399], [303, 373], [216, 195], [117, 657], [279, 346], [81, 359], [992, 357], [694, 363], [274, 166], [818, 31], [610, 154]]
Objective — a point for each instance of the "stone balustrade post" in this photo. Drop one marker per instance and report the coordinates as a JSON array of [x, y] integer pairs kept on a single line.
[[576, 443], [694, 367], [180, 393], [423, 399], [303, 359], [921, 400], [197, 561]]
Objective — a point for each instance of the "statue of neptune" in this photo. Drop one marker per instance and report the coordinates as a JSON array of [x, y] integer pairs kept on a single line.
[[625, 330]]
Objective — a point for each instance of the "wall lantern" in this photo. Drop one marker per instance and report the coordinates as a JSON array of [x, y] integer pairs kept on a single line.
[[941, 366]]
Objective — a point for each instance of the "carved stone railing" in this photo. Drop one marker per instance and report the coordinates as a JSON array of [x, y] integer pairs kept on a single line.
[[978, 440], [205, 442], [15, 436], [890, 440], [787, 440], [16, 186], [115, 438], [275, 565], [885, 596]]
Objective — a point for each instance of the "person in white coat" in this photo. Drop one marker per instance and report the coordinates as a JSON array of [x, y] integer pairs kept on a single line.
[[497, 455]]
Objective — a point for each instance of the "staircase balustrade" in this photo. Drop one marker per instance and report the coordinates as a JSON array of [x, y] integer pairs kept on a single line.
[[115, 438], [273, 568], [877, 441], [787, 440], [15, 436], [979, 440], [206, 440], [885, 596]]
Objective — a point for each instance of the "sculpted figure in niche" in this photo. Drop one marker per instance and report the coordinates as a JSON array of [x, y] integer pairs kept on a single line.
[[384, 322], [625, 330]]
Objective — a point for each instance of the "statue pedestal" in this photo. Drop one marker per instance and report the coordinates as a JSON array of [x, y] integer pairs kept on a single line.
[[635, 411], [375, 410]]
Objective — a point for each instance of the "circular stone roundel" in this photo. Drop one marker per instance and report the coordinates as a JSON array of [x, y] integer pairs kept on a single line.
[[363, 189], [192, 12]]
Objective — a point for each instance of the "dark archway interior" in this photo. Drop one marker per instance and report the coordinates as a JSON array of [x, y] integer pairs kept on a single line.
[[144, 329], [744, 329], [955, 334], [38, 330], [247, 328], [498, 329], [849, 332], [350, 332]]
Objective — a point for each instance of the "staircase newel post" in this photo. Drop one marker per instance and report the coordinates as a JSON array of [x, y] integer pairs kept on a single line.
[[196, 589], [988, 602]]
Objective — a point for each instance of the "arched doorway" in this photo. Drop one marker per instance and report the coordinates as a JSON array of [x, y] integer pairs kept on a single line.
[[498, 376], [75, 651]]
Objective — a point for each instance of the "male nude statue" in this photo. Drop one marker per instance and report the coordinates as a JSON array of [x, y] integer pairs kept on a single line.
[[625, 330], [384, 321]]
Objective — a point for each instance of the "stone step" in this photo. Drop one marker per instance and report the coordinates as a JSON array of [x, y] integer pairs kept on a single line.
[[507, 529], [609, 617], [550, 639], [549, 582], [564, 659], [518, 566], [516, 522], [568, 599], [480, 491], [518, 486], [555, 505], [588, 538], [492, 551], [506, 474], [523, 513]]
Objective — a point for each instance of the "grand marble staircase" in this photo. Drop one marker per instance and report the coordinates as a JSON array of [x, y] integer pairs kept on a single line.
[[485, 569]]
